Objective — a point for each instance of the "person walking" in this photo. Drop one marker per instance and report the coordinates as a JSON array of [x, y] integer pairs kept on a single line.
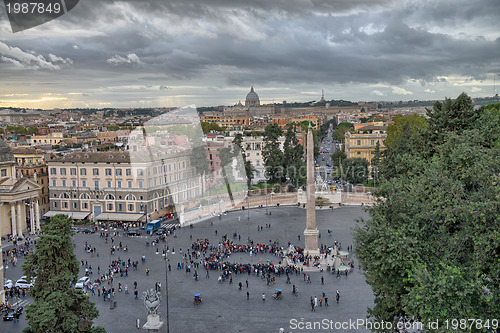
[[248, 296], [337, 296], [263, 297], [312, 304], [322, 280], [315, 301], [326, 301], [135, 294]]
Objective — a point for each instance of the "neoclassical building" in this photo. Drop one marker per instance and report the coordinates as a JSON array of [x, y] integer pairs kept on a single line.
[[18, 203]]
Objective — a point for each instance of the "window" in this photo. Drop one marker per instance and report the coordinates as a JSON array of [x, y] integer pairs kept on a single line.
[[140, 172], [108, 172], [4, 173], [53, 171], [55, 204], [64, 183], [130, 207], [109, 183], [128, 172], [85, 205], [359, 142], [95, 172], [73, 183], [118, 172], [109, 206], [359, 153], [373, 143], [257, 163], [75, 205], [96, 185], [119, 184], [129, 184], [84, 183], [83, 172], [140, 183], [72, 171], [64, 204], [120, 207], [62, 171], [54, 182]]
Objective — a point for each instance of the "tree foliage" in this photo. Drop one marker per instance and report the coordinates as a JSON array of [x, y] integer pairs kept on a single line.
[[293, 158], [249, 168], [272, 154], [431, 248], [355, 170], [340, 131], [57, 306]]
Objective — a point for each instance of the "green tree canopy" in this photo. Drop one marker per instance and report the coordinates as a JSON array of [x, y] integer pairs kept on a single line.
[[272, 154], [431, 248], [416, 124], [293, 158], [340, 131], [355, 170], [57, 306]]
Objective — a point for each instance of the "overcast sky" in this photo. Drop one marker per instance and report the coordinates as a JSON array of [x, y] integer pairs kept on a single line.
[[145, 53]]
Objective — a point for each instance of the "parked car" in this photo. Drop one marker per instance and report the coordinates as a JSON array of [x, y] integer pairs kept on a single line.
[[7, 285], [160, 231], [133, 233], [88, 231], [82, 282], [23, 283]]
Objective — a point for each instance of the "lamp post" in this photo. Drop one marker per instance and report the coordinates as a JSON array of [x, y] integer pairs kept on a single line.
[[166, 282]]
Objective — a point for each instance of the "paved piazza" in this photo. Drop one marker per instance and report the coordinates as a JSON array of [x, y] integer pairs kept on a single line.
[[225, 308]]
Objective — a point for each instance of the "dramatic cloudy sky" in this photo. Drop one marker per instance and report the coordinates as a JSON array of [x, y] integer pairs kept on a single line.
[[142, 53]]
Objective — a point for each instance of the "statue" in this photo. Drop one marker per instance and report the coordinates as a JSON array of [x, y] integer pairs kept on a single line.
[[151, 301]]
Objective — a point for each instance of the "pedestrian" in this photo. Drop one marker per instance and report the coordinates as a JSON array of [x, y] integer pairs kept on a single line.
[[315, 301], [135, 284], [326, 301], [263, 297], [240, 285], [136, 293], [126, 289], [312, 304], [248, 295], [337, 296], [322, 280], [247, 282]]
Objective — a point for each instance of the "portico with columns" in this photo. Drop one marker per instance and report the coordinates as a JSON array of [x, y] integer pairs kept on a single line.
[[18, 199]]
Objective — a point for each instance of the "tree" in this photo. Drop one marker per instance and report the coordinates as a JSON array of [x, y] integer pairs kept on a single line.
[[355, 170], [415, 123], [57, 306], [249, 169], [431, 248], [376, 160], [272, 154], [340, 131], [293, 158], [208, 127]]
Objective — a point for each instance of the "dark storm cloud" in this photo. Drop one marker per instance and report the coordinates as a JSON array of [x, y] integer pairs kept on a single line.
[[279, 42]]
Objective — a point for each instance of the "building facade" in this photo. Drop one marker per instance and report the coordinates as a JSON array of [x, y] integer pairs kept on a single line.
[[362, 143], [114, 186]]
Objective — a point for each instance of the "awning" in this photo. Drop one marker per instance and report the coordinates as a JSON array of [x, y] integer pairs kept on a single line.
[[124, 217], [74, 215]]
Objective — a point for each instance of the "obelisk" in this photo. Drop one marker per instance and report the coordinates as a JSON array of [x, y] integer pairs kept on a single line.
[[311, 233]]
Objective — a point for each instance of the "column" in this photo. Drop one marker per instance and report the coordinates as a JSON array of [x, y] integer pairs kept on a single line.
[[13, 217], [32, 218], [19, 219], [37, 216]]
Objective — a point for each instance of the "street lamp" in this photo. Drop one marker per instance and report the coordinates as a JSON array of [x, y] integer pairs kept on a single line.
[[166, 281]]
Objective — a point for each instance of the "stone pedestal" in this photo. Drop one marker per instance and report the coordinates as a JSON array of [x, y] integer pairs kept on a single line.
[[311, 242], [153, 323]]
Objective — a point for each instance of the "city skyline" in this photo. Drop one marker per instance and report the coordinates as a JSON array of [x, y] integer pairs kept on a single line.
[[155, 54]]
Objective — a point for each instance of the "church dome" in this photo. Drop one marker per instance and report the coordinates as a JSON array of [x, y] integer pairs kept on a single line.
[[5, 152], [252, 98]]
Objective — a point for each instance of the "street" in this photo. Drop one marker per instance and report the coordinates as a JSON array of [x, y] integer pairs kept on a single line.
[[224, 302]]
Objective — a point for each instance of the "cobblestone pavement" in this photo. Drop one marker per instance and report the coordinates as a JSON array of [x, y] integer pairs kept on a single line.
[[225, 308]]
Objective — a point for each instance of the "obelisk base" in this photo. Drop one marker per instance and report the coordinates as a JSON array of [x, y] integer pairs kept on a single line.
[[153, 323], [311, 239]]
